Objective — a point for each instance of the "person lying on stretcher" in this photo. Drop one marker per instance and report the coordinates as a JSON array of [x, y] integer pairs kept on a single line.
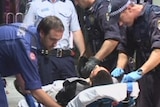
[[79, 92]]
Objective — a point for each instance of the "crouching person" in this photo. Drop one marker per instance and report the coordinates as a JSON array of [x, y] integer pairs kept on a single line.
[[18, 50]]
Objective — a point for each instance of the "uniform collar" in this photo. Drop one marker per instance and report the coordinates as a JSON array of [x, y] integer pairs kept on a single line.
[[143, 9], [39, 42]]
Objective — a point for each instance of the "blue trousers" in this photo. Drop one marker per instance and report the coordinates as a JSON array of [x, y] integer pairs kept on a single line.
[[3, 99], [53, 68]]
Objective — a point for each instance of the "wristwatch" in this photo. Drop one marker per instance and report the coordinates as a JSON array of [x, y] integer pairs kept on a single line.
[[140, 71]]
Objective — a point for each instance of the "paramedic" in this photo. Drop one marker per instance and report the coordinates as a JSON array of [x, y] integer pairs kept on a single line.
[[18, 50]]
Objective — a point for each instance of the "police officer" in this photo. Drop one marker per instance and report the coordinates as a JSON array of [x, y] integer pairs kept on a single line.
[[143, 36], [103, 37], [51, 67], [18, 50]]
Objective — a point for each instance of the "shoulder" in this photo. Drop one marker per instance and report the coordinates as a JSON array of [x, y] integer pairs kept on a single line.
[[66, 6], [151, 14], [33, 5]]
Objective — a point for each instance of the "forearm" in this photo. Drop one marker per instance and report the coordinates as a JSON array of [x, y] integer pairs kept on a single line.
[[122, 60], [107, 47], [152, 62], [79, 41], [43, 98]]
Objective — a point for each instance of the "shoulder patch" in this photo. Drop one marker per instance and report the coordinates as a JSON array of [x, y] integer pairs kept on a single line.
[[32, 56]]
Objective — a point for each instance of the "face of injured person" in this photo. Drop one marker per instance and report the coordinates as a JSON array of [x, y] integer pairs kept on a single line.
[[100, 76]]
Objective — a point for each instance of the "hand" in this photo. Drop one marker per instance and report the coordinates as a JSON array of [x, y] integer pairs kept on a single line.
[[133, 76], [117, 72], [81, 63], [89, 66]]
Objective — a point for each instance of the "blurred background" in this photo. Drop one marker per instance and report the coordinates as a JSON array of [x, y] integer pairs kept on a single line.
[[157, 2], [13, 11]]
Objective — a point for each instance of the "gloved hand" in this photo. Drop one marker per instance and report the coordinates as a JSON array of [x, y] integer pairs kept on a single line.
[[133, 76], [117, 72], [81, 63], [89, 66]]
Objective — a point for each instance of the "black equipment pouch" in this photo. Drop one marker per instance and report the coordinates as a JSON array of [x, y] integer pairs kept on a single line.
[[71, 87]]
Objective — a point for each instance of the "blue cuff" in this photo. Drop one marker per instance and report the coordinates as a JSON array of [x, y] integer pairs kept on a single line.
[[129, 87]]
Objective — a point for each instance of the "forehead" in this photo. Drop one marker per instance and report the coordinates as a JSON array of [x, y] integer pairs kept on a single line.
[[98, 68], [55, 33]]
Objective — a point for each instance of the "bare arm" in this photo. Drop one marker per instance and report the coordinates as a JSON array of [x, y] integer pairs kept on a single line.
[[39, 94], [43, 98], [107, 47], [152, 62], [79, 41], [122, 60]]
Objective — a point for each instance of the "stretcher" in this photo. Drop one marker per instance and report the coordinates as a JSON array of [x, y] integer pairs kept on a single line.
[[114, 94]]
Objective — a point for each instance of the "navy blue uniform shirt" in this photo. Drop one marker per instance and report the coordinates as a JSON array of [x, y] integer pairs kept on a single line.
[[100, 29], [17, 54], [98, 22], [144, 35]]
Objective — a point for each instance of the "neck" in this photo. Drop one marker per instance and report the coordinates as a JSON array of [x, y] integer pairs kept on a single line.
[[88, 81], [91, 2], [138, 9]]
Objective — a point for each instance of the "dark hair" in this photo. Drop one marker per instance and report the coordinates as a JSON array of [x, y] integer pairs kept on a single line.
[[101, 78], [50, 22]]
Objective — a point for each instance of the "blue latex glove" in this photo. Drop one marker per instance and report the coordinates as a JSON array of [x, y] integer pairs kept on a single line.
[[133, 76], [129, 87], [117, 72]]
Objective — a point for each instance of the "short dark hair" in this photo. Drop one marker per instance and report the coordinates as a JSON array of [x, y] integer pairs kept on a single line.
[[50, 22], [101, 78]]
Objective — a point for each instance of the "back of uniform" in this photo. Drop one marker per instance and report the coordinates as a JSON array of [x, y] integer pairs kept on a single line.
[[16, 55]]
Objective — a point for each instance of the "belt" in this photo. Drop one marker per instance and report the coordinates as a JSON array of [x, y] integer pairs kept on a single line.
[[58, 52]]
